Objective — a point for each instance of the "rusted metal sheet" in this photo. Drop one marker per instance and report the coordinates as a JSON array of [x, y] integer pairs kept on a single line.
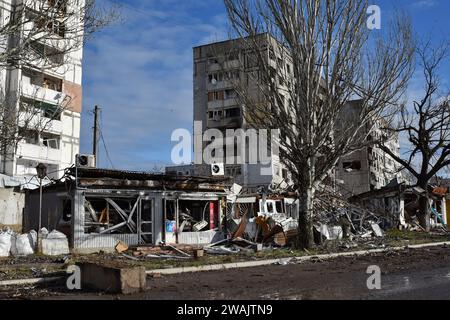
[[440, 191], [241, 229]]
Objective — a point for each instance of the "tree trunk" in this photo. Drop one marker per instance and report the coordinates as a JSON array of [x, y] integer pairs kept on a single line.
[[305, 223], [424, 213]]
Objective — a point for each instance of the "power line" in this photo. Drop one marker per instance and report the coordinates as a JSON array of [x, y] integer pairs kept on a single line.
[[106, 149], [103, 141]]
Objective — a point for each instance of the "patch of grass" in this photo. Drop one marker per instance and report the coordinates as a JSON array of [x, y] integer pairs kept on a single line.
[[397, 237]]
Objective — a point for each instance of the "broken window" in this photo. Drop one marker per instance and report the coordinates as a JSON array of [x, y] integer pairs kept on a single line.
[[230, 94], [213, 61], [270, 208], [216, 115], [233, 113], [29, 136], [353, 166], [50, 140], [52, 83], [279, 206], [233, 56], [105, 215], [194, 216]]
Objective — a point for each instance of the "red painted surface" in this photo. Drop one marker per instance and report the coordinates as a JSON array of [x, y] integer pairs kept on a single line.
[[212, 215]]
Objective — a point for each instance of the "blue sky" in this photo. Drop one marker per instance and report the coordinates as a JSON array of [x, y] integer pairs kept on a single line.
[[140, 71]]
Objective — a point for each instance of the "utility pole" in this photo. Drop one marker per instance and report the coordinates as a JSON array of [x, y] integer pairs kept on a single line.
[[95, 136]]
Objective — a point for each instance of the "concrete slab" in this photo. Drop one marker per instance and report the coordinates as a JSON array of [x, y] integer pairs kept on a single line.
[[113, 279]]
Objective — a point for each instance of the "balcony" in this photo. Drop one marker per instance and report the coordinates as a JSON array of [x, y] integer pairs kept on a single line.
[[37, 152], [220, 85], [223, 103], [39, 93], [225, 123], [214, 67], [35, 120], [232, 64]]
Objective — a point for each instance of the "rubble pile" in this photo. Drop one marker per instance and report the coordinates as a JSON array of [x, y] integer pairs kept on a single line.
[[336, 218]]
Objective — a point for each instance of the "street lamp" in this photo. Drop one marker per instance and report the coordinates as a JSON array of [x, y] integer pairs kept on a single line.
[[41, 170]]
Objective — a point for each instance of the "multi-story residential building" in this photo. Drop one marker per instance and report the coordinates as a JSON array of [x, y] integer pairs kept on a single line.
[[52, 96], [218, 69], [369, 168]]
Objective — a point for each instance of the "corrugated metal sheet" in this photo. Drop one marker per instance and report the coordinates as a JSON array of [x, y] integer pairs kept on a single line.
[[99, 242], [201, 238]]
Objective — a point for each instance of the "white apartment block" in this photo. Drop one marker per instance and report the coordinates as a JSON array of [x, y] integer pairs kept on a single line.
[[218, 68], [54, 95]]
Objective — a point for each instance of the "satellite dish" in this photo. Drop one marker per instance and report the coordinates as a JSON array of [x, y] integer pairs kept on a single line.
[[214, 82]]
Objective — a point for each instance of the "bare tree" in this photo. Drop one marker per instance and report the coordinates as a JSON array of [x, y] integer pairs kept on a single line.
[[426, 125], [333, 58], [42, 35]]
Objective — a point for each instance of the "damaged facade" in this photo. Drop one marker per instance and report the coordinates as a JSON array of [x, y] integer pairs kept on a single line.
[[52, 95], [369, 168], [98, 208], [218, 67], [399, 204]]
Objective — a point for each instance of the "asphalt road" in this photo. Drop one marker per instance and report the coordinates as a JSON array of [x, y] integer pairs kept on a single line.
[[411, 274]]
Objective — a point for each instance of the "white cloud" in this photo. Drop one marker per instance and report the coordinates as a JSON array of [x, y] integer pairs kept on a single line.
[[140, 74]]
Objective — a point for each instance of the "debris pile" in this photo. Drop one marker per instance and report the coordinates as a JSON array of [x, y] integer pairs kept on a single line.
[[335, 219], [164, 252]]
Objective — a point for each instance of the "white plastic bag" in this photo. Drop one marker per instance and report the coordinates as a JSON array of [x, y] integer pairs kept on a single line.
[[55, 244], [22, 245], [5, 244], [33, 239]]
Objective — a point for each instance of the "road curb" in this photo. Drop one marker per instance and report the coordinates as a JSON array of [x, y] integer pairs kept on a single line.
[[237, 265], [249, 264], [29, 281]]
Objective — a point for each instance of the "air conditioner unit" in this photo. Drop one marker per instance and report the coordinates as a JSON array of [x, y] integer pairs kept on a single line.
[[218, 169], [85, 161]]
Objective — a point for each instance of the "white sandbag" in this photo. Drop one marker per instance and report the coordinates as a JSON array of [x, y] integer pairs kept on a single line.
[[33, 239], [55, 244], [336, 233], [43, 233], [22, 245], [5, 244]]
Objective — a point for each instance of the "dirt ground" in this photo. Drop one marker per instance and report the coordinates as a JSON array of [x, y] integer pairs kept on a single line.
[[410, 274]]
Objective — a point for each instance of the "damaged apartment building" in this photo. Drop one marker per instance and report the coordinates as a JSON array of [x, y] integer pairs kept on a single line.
[[52, 95], [218, 69], [369, 168], [98, 208], [46, 98]]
